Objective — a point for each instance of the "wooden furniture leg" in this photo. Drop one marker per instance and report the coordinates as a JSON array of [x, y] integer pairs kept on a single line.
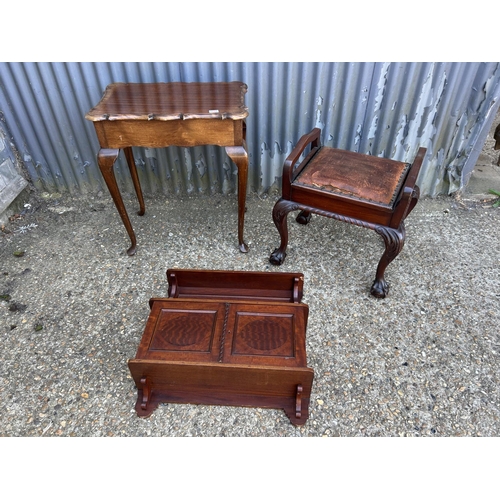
[[239, 156], [304, 217], [129, 155], [106, 159], [280, 216], [394, 240]]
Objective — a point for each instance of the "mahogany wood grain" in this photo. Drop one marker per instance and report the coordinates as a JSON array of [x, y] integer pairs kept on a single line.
[[263, 286], [223, 384], [171, 101]]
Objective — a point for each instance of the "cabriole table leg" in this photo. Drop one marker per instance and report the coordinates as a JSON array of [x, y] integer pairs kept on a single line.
[[129, 155], [106, 159], [239, 156]]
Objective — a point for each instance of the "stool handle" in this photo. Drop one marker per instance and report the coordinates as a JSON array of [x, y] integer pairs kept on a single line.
[[289, 174], [409, 192]]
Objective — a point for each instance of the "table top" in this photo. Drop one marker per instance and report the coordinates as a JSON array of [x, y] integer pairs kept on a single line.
[[171, 101]]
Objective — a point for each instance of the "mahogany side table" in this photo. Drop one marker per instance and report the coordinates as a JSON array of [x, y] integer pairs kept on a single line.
[[180, 114]]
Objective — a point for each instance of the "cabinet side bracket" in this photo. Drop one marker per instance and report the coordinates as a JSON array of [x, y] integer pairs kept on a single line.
[[173, 291], [296, 297], [146, 392], [298, 401]]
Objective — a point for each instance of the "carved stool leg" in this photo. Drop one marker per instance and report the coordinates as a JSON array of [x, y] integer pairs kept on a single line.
[[135, 179], [394, 240], [280, 214], [304, 217]]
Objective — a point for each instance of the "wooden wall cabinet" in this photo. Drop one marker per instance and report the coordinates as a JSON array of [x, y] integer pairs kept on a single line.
[[226, 338]]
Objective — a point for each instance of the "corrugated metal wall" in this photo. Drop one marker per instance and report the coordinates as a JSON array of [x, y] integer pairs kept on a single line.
[[378, 108]]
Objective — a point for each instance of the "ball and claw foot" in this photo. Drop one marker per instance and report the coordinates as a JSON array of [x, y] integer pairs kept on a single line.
[[380, 289], [277, 257], [303, 217]]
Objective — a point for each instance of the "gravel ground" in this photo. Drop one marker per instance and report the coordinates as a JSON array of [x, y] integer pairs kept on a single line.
[[425, 361]]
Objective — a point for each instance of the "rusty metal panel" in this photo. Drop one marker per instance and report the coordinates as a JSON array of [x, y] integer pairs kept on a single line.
[[377, 108], [11, 180]]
